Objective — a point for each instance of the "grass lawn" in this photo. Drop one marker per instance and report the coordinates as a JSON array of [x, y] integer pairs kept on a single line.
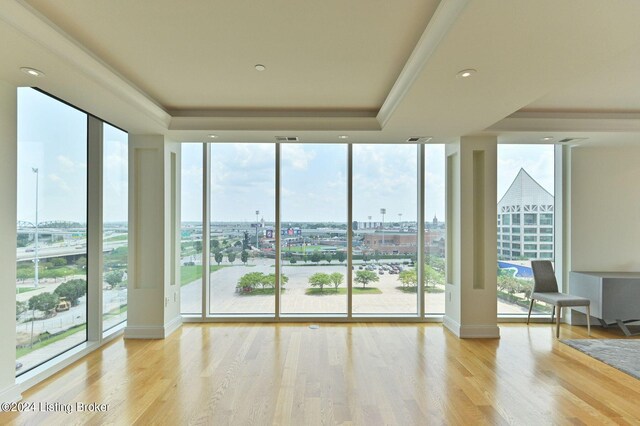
[[41, 344], [413, 289], [329, 291], [261, 292], [124, 237], [115, 312], [190, 273], [20, 290]]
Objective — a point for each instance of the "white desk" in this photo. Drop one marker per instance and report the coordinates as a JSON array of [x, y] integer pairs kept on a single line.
[[614, 295]]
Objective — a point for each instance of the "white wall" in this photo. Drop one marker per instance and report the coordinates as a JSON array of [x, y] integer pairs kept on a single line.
[[605, 209], [8, 208]]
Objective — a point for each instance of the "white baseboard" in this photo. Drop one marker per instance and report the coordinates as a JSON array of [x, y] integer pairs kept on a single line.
[[11, 394], [152, 332], [471, 331]]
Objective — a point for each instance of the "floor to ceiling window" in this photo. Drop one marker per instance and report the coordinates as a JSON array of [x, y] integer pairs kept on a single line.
[[51, 288], [322, 267], [242, 242], [115, 226], [313, 228], [435, 229], [385, 192], [526, 219], [191, 229]]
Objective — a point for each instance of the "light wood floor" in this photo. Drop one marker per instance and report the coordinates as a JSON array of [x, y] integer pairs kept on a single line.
[[364, 374]]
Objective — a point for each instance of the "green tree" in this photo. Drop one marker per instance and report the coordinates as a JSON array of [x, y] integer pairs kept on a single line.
[[197, 246], [365, 257], [315, 257], [341, 256], [218, 257], [365, 277], [328, 257], [432, 276], [336, 279], [43, 302], [231, 257], [214, 244], [319, 279], [293, 261], [57, 262], [72, 290], [114, 278], [270, 280], [20, 308], [244, 256], [250, 281], [245, 241], [436, 263], [24, 273], [81, 262], [408, 277]]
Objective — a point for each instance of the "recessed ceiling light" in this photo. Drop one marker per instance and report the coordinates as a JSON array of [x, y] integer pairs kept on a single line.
[[213, 136], [343, 137], [466, 73], [32, 72], [547, 138], [260, 67]]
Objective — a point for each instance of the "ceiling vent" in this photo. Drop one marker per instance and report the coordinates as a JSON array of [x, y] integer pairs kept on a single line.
[[287, 138], [567, 140], [419, 139]]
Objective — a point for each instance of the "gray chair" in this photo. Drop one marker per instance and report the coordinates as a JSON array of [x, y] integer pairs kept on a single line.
[[545, 289]]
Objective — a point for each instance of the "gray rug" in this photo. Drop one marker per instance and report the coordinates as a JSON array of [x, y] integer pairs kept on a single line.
[[623, 354]]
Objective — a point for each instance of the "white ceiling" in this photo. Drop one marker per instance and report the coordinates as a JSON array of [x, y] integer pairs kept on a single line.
[[376, 70]]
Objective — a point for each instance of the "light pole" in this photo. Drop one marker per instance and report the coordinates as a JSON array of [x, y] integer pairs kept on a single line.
[[257, 224], [35, 251], [400, 221], [383, 212]]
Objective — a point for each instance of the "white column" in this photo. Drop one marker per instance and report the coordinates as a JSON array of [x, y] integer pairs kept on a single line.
[[471, 291], [154, 237], [9, 392]]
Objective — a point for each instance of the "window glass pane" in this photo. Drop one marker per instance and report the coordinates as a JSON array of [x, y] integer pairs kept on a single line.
[[116, 226], [242, 240], [314, 228], [525, 184], [191, 229], [435, 230], [51, 283], [546, 219], [384, 196], [505, 219], [530, 219]]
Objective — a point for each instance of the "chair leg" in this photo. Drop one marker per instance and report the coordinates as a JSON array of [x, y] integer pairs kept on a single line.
[[558, 322], [553, 313], [530, 307], [588, 320]]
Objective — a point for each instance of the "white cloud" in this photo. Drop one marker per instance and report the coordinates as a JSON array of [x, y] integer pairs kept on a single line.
[[297, 156], [65, 162], [59, 182]]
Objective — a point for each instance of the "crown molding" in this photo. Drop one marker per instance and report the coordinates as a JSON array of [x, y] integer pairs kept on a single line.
[[568, 121]]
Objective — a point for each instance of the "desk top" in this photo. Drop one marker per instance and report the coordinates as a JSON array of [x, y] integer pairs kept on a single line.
[[601, 274]]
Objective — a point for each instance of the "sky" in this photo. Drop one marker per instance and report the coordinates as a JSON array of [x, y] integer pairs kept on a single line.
[[314, 180], [52, 138]]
